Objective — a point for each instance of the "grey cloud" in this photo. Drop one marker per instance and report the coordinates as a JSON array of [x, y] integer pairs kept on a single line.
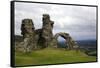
[[76, 20]]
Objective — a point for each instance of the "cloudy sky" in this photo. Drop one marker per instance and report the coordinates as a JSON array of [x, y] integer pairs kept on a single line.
[[78, 21]]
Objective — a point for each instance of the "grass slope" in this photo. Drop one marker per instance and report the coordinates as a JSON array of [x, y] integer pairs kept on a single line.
[[51, 56]]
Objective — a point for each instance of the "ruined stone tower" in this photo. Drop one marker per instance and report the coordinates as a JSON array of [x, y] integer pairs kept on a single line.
[[29, 37], [27, 27], [47, 28]]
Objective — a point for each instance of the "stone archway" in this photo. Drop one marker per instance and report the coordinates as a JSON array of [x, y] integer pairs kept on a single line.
[[69, 41]]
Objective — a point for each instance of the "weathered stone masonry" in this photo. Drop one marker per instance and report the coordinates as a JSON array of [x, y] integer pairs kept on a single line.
[[41, 38]]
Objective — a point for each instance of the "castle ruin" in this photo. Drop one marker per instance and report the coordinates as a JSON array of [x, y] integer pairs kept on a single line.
[[42, 38]]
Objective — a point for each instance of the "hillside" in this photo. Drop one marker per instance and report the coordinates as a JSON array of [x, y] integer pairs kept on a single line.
[[51, 56]]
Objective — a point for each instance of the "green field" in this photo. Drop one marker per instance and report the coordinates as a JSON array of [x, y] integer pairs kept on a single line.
[[51, 56]]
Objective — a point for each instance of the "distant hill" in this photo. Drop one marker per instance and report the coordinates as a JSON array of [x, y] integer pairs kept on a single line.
[[18, 38], [87, 43], [82, 43], [87, 46]]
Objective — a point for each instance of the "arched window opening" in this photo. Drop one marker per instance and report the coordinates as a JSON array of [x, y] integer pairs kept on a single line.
[[61, 42]]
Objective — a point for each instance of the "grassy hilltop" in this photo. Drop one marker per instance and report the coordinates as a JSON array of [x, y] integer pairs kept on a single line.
[[51, 56]]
